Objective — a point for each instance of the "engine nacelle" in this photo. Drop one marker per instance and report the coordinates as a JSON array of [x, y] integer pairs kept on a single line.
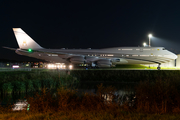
[[90, 59], [104, 63], [119, 61], [77, 60]]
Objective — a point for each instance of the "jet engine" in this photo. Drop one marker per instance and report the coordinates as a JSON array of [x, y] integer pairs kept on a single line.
[[104, 63], [77, 60], [119, 61]]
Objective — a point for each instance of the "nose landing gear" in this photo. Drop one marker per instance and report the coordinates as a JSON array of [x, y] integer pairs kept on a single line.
[[159, 68]]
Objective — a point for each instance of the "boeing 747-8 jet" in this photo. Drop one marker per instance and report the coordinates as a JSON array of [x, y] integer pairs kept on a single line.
[[100, 57]]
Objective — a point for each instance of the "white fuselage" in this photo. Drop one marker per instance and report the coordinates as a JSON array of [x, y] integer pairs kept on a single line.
[[118, 55], [101, 57]]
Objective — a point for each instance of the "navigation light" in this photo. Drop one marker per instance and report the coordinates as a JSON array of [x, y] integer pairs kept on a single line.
[[29, 50]]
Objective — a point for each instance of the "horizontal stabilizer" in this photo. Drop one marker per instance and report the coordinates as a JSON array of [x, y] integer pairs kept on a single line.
[[10, 48], [16, 49]]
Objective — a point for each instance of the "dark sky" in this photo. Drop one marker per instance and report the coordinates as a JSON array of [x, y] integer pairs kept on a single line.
[[90, 24]]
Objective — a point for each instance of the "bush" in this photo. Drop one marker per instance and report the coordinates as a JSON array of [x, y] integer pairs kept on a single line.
[[29, 86], [7, 87], [19, 86], [161, 96]]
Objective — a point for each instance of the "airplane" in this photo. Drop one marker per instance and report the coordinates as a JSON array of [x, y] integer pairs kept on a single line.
[[106, 57]]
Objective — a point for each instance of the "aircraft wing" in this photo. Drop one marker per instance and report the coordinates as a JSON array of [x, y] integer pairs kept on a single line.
[[59, 53], [43, 51], [70, 57]]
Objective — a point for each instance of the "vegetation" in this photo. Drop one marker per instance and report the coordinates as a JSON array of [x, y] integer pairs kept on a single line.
[[23, 82], [125, 75], [157, 95], [160, 96], [88, 115], [155, 100], [27, 81], [131, 66]]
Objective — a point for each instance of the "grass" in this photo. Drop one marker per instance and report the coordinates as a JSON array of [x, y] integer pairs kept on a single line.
[[124, 75], [23, 82], [157, 99], [141, 67], [27, 81], [87, 107], [118, 67], [86, 115], [158, 96], [131, 66]]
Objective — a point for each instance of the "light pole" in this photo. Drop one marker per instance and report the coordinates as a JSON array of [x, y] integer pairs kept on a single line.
[[150, 35]]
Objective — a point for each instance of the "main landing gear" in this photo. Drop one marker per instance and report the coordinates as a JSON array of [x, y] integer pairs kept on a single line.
[[159, 68]]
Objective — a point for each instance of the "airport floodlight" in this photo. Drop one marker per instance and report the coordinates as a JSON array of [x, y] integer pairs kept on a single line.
[[144, 44], [150, 35]]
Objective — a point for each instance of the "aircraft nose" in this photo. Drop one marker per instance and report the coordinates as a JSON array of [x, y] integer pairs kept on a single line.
[[174, 56]]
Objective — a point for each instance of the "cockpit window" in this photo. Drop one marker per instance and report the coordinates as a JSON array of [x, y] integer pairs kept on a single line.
[[163, 49]]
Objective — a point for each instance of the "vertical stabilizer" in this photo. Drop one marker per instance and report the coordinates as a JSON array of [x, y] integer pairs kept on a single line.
[[25, 41]]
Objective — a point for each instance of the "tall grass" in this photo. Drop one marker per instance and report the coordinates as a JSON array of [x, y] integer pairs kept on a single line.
[[160, 96], [125, 75], [86, 115], [23, 82], [69, 99], [159, 92]]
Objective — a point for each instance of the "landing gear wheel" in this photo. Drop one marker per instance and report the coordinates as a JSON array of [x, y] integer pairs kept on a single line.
[[159, 68]]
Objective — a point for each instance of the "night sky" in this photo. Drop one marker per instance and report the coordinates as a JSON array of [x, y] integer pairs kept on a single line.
[[90, 24]]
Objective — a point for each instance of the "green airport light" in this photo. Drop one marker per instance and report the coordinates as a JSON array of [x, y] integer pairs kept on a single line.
[[30, 50]]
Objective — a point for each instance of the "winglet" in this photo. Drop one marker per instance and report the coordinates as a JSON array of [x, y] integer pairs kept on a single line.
[[25, 41]]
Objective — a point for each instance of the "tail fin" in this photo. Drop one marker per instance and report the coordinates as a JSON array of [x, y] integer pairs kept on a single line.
[[24, 41]]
